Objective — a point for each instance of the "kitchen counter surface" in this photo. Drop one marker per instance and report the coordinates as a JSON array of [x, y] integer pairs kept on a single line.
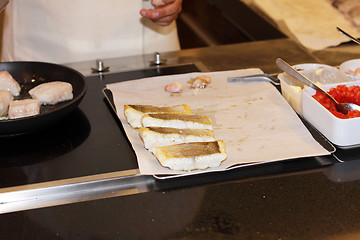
[[259, 54], [302, 205], [306, 198]]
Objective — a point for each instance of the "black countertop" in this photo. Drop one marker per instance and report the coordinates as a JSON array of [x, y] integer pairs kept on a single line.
[[301, 205], [306, 198]]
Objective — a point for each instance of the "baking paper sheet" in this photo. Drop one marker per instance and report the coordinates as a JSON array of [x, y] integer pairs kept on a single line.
[[312, 23], [253, 119]]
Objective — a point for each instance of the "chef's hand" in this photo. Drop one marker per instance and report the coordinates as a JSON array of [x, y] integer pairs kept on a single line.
[[164, 13]]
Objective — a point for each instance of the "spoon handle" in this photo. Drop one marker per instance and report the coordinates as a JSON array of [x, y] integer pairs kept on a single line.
[[348, 35], [295, 74]]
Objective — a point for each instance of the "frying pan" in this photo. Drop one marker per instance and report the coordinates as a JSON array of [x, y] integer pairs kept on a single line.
[[31, 74]]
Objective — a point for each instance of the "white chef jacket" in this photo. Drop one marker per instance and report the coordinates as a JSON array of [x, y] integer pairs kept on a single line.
[[62, 31]]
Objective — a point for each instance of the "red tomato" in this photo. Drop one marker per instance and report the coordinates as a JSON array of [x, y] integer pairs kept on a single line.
[[341, 93]]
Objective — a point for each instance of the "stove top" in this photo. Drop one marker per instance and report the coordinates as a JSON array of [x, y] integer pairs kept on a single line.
[[89, 141]]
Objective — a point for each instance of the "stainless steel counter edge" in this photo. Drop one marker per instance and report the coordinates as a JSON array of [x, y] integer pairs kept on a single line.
[[73, 190]]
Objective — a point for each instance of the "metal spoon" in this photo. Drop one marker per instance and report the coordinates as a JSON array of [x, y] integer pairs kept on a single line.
[[348, 35], [340, 107]]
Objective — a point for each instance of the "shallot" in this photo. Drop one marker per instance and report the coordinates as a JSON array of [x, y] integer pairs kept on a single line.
[[174, 87]]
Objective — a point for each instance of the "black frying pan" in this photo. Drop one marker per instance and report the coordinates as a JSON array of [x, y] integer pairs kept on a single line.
[[31, 74]]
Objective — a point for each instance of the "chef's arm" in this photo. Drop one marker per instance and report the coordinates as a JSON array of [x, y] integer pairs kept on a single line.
[[164, 13]]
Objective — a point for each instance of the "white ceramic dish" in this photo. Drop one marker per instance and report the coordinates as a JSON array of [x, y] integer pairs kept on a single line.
[[322, 74], [349, 67], [345, 133]]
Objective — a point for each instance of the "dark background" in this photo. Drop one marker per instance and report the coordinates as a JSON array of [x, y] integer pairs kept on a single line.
[[204, 23]]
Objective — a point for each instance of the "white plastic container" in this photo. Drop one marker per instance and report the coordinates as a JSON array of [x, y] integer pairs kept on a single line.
[[344, 133], [291, 91]]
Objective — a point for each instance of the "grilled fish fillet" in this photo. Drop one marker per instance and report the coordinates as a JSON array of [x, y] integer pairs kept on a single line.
[[24, 108], [8, 83], [180, 121], [162, 136], [52, 92], [5, 98], [191, 156], [134, 113]]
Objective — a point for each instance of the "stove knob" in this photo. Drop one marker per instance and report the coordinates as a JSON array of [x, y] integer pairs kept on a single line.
[[100, 66], [157, 60]]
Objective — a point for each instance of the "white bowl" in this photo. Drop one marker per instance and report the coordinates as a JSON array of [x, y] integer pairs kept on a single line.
[[349, 67], [344, 133], [322, 74], [309, 66]]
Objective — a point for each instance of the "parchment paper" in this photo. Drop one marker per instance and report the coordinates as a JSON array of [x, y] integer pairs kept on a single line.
[[311, 22], [253, 119]]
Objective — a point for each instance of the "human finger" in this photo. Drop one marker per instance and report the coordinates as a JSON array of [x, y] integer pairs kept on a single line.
[[165, 21], [173, 8]]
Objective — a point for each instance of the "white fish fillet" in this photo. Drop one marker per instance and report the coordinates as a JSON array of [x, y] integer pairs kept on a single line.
[[134, 113], [159, 136], [5, 98], [191, 156], [180, 121], [52, 92], [24, 108], [8, 83]]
